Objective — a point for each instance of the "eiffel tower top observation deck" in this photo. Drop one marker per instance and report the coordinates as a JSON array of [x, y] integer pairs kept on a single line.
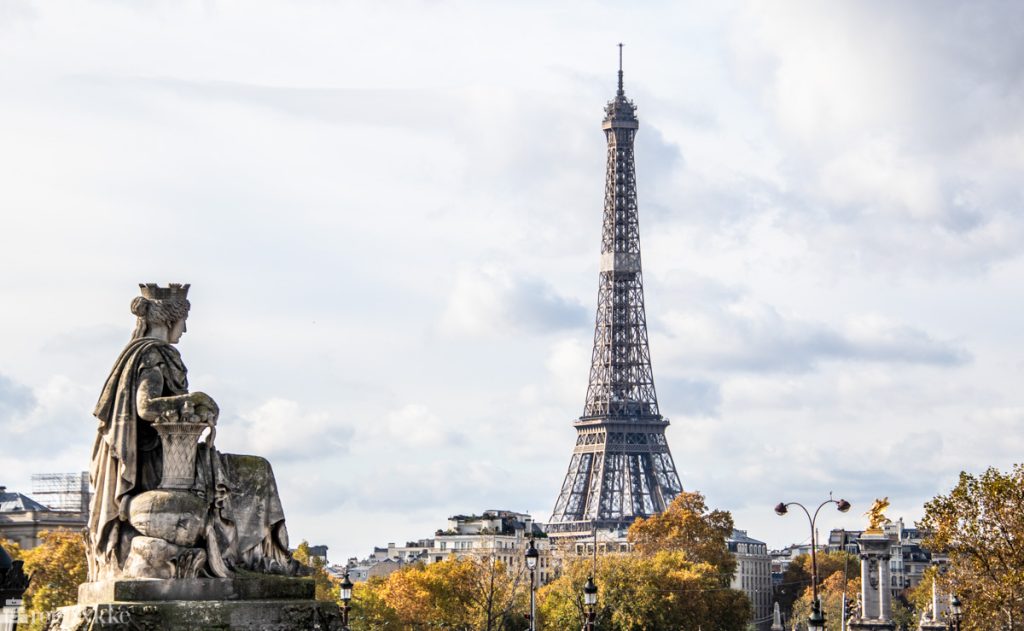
[[621, 467]]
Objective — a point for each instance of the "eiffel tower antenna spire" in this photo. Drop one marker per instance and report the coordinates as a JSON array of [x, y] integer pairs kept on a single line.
[[621, 467], [621, 92]]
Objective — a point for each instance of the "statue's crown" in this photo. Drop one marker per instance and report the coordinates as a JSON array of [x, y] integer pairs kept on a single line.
[[173, 291]]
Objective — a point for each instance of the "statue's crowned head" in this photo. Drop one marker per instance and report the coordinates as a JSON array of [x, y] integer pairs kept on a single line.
[[161, 307]]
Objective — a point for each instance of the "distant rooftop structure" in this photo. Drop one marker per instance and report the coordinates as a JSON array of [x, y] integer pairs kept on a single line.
[[62, 491], [14, 502], [23, 519]]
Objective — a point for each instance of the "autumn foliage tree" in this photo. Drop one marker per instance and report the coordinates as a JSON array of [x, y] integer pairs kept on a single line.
[[980, 524], [57, 567], [677, 577], [796, 580], [831, 593], [327, 589], [474, 593], [688, 527]]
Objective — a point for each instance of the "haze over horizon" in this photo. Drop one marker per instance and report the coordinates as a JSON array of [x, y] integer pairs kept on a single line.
[[391, 223]]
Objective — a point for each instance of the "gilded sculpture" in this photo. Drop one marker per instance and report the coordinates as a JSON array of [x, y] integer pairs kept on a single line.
[[876, 515]]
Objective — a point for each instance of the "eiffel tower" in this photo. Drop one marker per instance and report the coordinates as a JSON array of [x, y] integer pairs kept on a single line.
[[621, 467]]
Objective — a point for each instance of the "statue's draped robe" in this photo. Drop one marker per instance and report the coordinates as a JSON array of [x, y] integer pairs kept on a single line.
[[245, 525]]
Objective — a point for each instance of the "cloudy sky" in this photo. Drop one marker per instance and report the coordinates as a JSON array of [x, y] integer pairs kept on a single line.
[[390, 216]]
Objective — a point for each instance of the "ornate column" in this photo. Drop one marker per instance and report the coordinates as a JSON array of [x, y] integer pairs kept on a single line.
[[876, 591]]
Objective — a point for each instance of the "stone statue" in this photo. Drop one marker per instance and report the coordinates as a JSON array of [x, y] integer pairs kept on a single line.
[[876, 515], [167, 505]]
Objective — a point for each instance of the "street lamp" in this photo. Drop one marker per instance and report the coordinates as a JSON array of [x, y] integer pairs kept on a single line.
[[816, 621], [957, 611], [531, 564], [13, 584], [589, 601], [346, 598]]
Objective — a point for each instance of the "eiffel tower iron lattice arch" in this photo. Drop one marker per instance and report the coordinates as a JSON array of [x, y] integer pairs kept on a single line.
[[621, 467]]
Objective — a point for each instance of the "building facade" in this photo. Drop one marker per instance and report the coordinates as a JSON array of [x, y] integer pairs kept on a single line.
[[753, 575], [495, 534], [23, 519]]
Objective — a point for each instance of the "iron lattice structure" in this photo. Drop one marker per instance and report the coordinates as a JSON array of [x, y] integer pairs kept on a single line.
[[621, 467]]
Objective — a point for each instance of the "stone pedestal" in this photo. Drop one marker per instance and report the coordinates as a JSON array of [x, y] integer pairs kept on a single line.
[[876, 595], [262, 603]]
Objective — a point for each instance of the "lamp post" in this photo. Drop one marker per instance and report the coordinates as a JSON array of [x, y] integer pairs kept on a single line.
[[589, 601], [531, 564], [13, 583], [346, 598], [816, 621]]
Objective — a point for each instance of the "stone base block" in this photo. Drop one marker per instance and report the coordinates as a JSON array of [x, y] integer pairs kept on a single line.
[[257, 587], [219, 615]]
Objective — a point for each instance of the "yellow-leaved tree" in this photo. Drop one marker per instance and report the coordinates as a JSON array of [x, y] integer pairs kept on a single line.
[[677, 577], [57, 567], [796, 583], [476, 592], [327, 589], [980, 524]]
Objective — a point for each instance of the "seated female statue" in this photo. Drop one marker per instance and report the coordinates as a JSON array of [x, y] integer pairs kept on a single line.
[[201, 513]]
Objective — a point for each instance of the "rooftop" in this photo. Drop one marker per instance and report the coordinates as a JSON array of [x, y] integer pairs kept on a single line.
[[14, 502]]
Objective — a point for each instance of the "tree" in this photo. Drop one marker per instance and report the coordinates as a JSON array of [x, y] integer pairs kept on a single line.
[[687, 526], [980, 524], [796, 580], [57, 567], [479, 593], [920, 596], [327, 589], [831, 594], [662, 590], [676, 577], [370, 610]]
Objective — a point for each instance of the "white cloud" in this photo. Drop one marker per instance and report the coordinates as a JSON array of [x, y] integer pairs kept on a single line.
[[285, 430], [391, 223], [491, 301], [412, 426]]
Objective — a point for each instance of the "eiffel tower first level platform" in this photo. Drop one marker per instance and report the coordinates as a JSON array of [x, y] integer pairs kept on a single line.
[[621, 467], [619, 471]]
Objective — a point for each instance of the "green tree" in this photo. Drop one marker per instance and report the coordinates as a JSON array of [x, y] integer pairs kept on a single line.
[[980, 524]]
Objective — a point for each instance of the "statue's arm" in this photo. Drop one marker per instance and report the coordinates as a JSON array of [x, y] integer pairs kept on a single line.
[[153, 407]]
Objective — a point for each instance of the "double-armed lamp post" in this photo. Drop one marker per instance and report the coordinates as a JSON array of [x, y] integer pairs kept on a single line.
[[816, 621]]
